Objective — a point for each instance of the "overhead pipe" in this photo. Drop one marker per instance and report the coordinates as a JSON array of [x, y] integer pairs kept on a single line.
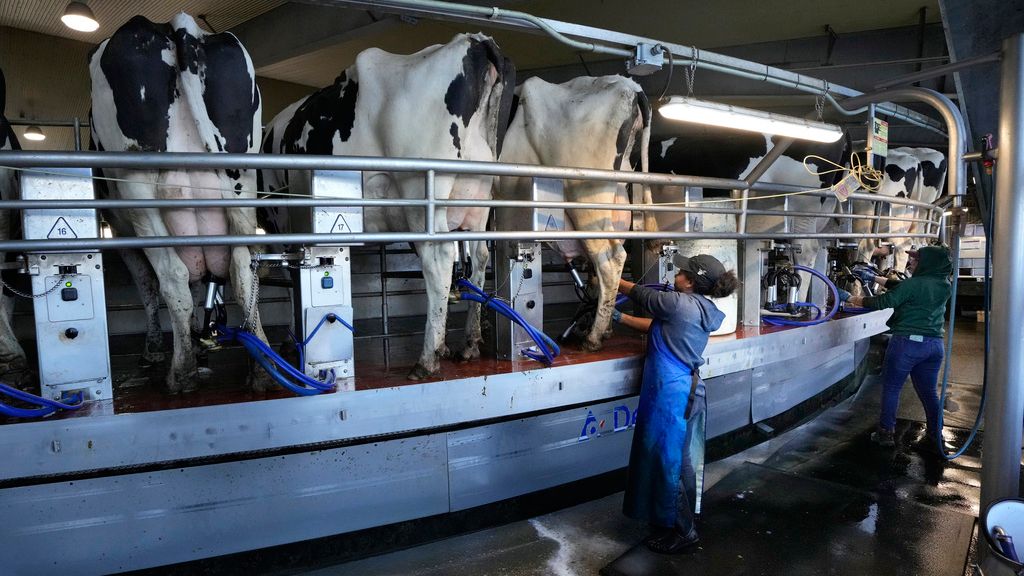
[[565, 33]]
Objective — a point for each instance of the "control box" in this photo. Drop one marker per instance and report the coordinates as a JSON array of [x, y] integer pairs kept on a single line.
[[325, 276], [68, 288]]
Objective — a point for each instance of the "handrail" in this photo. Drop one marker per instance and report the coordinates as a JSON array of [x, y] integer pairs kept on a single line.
[[193, 160]]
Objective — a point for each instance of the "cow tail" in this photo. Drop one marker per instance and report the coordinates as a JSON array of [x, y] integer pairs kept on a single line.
[[650, 223]]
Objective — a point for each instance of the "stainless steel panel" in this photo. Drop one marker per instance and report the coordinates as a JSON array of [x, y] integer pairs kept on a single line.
[[780, 386], [329, 184], [725, 355], [132, 439], [499, 461], [518, 270], [547, 219], [58, 184], [134, 521], [85, 443], [728, 402]]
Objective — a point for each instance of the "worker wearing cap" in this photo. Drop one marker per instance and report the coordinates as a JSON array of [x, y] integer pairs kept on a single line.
[[915, 348], [668, 443]]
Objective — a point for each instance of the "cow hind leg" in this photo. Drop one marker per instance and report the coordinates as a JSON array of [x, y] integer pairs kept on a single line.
[[474, 334], [608, 257], [173, 277], [13, 361], [149, 293], [244, 282], [437, 259]]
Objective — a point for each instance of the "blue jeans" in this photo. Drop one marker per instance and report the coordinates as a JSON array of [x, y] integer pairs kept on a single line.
[[919, 360]]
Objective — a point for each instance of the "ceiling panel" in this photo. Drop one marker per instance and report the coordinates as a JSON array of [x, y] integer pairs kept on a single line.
[[44, 15]]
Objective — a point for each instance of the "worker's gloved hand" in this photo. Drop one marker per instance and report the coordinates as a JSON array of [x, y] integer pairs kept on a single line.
[[843, 295], [866, 276], [616, 315]]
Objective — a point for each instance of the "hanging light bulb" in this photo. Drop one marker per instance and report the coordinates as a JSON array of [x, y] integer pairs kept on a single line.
[[34, 133], [78, 16]]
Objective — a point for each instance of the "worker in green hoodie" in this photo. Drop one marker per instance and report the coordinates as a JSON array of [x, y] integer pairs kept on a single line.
[[915, 348]]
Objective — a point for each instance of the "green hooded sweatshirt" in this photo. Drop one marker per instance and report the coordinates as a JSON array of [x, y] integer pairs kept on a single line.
[[919, 301]]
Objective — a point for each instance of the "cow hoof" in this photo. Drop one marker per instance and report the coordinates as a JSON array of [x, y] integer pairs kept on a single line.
[[444, 352], [588, 346], [150, 359], [469, 353], [420, 372], [260, 380], [20, 378]]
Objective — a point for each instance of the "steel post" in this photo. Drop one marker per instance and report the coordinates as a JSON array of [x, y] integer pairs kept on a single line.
[[1004, 410]]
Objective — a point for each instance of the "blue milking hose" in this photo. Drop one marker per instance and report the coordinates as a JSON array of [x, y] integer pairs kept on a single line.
[[272, 362], [832, 312], [549, 349], [47, 406]]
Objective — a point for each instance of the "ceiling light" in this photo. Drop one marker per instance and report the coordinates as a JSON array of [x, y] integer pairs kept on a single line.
[[78, 16], [686, 109], [34, 133]]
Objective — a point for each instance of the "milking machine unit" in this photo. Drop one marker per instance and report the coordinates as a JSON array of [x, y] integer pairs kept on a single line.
[[518, 269], [67, 288], [323, 277]]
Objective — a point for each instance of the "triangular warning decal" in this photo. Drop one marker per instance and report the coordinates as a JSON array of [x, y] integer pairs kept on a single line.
[[551, 224], [61, 229], [340, 225]]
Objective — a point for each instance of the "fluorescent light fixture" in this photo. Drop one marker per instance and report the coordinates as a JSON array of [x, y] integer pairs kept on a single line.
[[34, 133], [686, 109], [78, 16], [947, 213]]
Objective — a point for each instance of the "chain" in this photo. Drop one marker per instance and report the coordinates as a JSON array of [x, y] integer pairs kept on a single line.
[[30, 296], [819, 103], [692, 71], [252, 312]]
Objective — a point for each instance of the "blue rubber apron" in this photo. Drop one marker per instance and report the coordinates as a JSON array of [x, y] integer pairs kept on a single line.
[[656, 458]]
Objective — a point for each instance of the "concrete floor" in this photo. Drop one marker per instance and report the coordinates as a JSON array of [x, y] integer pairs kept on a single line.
[[585, 539]]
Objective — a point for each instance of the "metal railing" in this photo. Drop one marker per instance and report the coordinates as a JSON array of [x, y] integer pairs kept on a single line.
[[430, 169]]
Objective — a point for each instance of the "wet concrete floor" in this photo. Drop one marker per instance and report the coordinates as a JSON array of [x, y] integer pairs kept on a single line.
[[819, 499]]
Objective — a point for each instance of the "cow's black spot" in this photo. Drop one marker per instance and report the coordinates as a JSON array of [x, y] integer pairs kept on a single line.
[[723, 153], [131, 63], [238, 187], [328, 111], [229, 92], [454, 131], [468, 89], [233, 174], [894, 172], [932, 175]]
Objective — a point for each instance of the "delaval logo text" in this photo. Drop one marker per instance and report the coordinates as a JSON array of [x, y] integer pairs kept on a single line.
[[622, 417]]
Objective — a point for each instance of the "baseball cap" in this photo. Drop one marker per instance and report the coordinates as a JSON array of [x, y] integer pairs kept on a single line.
[[701, 266]]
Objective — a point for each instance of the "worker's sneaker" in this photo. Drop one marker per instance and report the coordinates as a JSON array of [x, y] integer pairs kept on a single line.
[[674, 542], [883, 438]]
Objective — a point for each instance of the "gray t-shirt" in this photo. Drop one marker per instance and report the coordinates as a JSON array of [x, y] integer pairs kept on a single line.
[[686, 320]]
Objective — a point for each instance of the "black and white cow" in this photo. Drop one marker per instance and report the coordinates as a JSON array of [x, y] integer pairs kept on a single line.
[[13, 364], [587, 122], [718, 152], [915, 173], [447, 101], [176, 88]]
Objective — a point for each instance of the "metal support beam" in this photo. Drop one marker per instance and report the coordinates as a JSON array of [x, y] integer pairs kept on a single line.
[[938, 71], [780, 147], [1004, 411]]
